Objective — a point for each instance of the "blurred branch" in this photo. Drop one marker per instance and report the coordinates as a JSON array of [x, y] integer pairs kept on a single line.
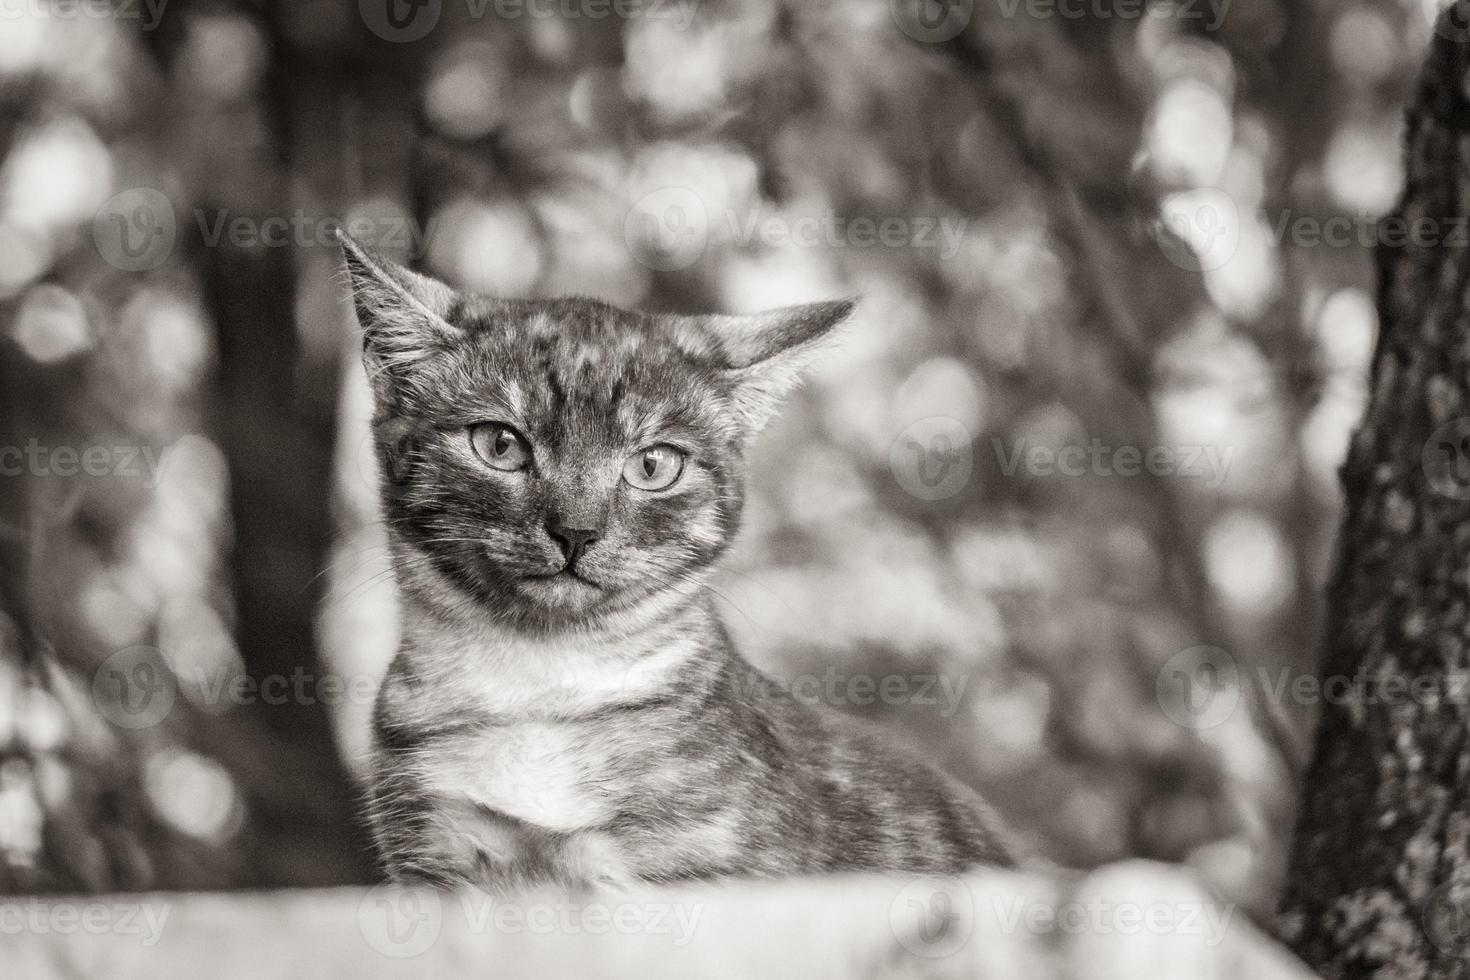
[[15, 535], [1126, 342]]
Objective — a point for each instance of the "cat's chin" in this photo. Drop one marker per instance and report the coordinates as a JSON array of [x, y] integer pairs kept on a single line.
[[563, 591]]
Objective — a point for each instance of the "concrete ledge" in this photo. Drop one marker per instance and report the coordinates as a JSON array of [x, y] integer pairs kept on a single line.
[[1123, 921]]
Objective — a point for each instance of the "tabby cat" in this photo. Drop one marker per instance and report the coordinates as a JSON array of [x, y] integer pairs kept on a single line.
[[560, 479]]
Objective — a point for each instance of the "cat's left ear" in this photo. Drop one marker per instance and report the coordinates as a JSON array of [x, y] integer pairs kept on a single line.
[[405, 316], [765, 355]]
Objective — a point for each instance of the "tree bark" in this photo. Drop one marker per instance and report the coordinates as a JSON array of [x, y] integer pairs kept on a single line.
[[1379, 881]]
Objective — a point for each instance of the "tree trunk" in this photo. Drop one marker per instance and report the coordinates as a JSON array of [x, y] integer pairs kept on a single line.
[[276, 430], [1380, 874]]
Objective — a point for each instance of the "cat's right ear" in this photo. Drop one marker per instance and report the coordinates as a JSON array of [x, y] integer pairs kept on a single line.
[[404, 316], [763, 355]]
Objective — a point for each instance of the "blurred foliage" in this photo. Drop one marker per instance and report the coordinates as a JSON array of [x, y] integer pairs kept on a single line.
[[1115, 205]]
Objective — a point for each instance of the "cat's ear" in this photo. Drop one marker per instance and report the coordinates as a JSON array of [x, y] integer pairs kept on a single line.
[[765, 355], [405, 316]]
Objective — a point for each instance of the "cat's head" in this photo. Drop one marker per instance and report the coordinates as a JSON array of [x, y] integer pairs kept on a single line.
[[564, 462]]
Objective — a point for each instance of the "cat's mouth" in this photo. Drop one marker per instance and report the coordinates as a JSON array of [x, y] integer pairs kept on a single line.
[[566, 574]]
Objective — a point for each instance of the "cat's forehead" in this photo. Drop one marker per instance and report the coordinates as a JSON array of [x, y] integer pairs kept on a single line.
[[569, 331], [578, 366], [589, 334], [587, 344]]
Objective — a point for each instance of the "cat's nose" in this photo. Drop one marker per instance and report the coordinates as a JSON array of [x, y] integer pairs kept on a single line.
[[573, 541]]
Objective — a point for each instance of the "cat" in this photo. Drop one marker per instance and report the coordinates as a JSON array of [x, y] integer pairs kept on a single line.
[[559, 480]]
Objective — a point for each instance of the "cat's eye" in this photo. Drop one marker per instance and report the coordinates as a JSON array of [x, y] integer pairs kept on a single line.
[[655, 468], [500, 446]]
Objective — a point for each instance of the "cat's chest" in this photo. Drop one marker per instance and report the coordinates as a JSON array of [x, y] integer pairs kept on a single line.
[[543, 737], [573, 802], [558, 776], [456, 677], [538, 754], [539, 800]]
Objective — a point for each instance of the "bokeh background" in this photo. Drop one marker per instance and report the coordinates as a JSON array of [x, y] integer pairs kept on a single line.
[[1121, 227]]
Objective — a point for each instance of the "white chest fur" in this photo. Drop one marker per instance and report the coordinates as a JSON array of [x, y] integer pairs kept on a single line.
[[487, 672], [523, 743], [543, 773]]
